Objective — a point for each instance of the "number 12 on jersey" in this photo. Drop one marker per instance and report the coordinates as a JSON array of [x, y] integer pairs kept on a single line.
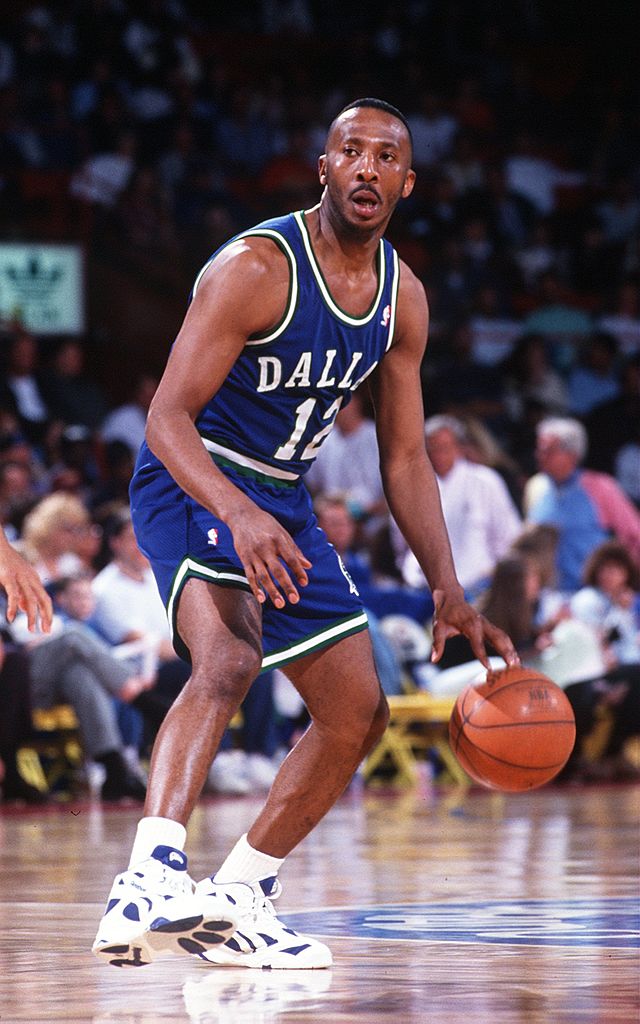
[[304, 412]]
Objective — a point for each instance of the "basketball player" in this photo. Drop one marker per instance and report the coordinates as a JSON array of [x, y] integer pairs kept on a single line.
[[23, 588], [285, 322]]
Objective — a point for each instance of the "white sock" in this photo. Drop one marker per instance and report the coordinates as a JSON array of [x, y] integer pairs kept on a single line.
[[244, 864], [152, 832]]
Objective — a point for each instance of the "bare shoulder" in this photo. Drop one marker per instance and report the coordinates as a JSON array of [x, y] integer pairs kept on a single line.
[[412, 318], [250, 275], [251, 260]]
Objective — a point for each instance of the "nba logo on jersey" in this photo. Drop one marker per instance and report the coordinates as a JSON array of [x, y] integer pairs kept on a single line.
[[386, 316], [212, 534]]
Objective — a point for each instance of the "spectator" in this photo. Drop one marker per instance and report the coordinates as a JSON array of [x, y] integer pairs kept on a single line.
[[481, 518], [610, 602], [71, 394], [595, 380], [348, 462], [585, 506], [129, 610], [59, 538], [22, 390], [127, 422], [71, 666]]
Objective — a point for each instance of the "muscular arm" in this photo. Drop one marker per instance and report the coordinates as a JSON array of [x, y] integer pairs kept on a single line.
[[243, 292], [409, 480]]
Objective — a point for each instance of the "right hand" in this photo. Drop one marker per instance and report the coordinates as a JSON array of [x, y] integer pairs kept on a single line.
[[263, 545]]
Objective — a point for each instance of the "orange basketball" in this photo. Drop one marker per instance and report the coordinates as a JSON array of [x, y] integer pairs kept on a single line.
[[514, 731]]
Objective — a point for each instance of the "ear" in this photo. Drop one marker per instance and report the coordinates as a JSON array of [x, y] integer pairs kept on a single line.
[[409, 182], [322, 169]]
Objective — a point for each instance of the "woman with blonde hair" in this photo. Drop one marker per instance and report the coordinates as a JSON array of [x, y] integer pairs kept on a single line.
[[58, 537]]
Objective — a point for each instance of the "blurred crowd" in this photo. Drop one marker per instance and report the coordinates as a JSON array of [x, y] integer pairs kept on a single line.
[[150, 133]]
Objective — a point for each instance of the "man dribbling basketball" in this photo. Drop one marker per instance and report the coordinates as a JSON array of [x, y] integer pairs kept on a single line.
[[285, 322]]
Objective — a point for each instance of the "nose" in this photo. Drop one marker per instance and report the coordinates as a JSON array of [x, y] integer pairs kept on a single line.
[[367, 169]]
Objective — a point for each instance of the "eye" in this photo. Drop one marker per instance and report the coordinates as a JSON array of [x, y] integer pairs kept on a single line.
[[350, 151], [387, 157]]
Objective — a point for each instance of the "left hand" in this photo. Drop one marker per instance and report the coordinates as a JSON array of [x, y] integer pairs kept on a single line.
[[24, 590], [453, 615]]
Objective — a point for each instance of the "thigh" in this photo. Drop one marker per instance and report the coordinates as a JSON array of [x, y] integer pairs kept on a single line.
[[339, 682], [213, 620]]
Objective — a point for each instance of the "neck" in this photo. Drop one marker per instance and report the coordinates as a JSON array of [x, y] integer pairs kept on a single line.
[[330, 231]]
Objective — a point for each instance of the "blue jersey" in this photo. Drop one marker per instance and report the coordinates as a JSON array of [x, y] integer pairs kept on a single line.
[[282, 395]]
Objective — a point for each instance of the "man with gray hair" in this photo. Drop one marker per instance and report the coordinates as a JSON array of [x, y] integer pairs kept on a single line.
[[586, 507], [482, 520]]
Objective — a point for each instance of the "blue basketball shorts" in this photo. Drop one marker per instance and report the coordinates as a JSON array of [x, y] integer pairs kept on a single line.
[[182, 540]]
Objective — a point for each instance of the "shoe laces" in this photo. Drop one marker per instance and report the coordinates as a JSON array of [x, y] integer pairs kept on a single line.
[[263, 904], [177, 882]]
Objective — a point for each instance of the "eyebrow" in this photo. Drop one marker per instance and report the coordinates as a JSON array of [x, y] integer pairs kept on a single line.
[[385, 143]]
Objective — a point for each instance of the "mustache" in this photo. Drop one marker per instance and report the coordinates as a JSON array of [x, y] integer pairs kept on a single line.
[[366, 188]]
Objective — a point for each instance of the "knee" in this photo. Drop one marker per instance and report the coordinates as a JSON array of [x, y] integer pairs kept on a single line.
[[367, 722], [226, 674]]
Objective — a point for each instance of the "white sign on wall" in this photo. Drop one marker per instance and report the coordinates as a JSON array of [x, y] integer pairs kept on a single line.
[[42, 286]]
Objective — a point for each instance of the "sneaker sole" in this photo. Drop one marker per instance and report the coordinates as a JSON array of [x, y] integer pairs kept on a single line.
[[190, 936]]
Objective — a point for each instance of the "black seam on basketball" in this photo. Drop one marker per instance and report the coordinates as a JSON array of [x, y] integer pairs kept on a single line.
[[519, 725]]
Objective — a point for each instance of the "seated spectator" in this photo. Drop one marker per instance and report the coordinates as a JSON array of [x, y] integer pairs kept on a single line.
[[348, 462], [129, 609], [71, 394], [127, 422], [529, 376], [481, 518], [610, 602], [595, 379], [72, 666], [59, 538], [22, 390], [586, 507]]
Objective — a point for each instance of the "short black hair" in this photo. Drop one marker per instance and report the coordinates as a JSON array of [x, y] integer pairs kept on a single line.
[[371, 101]]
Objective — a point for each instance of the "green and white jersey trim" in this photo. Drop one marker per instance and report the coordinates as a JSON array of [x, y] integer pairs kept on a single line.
[[262, 468], [353, 321], [353, 624], [189, 567], [292, 298], [394, 298]]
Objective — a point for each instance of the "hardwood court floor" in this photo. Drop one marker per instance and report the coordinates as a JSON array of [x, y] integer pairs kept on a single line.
[[440, 909]]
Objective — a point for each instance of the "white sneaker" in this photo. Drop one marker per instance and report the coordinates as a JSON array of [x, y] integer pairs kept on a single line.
[[261, 940], [259, 771], [227, 774], [152, 909]]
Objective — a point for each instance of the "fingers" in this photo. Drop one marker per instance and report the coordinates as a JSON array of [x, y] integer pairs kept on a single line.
[[36, 603], [271, 577], [12, 600], [502, 643]]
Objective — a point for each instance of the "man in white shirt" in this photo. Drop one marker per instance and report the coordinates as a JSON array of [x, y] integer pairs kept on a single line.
[[482, 520]]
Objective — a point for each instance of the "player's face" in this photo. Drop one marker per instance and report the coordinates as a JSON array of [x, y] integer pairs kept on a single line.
[[366, 169]]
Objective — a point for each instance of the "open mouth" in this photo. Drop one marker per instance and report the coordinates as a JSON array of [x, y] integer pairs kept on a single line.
[[365, 201]]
